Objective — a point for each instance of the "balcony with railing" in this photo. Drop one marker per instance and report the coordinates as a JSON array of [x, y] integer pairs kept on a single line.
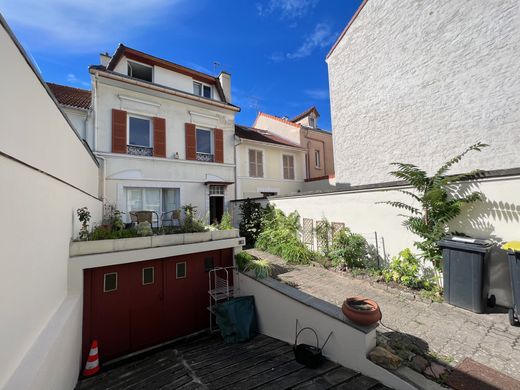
[[207, 157], [139, 150]]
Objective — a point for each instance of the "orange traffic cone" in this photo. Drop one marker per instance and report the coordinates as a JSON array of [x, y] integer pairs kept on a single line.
[[92, 365]]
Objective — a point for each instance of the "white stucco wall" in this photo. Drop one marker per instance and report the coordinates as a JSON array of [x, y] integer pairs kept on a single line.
[[347, 346], [287, 130], [78, 118], [418, 81], [273, 181], [176, 111], [46, 174], [167, 78], [122, 171], [497, 218]]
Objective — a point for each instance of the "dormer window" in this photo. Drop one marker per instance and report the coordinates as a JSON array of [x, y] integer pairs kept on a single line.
[[140, 71], [203, 90], [312, 122]]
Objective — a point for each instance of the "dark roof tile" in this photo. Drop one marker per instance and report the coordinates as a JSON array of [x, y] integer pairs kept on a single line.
[[70, 96], [253, 134]]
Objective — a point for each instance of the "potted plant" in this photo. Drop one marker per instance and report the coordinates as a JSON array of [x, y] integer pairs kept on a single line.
[[362, 311]]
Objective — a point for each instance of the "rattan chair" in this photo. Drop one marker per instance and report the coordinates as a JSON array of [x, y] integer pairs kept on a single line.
[[168, 218], [141, 216]]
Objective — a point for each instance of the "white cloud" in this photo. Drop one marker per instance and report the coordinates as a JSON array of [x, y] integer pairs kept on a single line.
[[277, 56], [72, 79], [80, 26], [317, 94], [286, 9], [321, 37]]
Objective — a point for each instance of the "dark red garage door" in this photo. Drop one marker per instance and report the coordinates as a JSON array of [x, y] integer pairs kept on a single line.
[[133, 306]]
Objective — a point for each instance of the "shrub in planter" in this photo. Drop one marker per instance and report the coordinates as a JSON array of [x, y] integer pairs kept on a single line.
[[144, 229], [225, 222], [348, 249], [246, 262], [84, 217], [280, 237], [105, 233], [192, 224]]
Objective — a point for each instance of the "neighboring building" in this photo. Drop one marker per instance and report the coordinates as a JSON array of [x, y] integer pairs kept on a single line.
[[76, 103], [164, 133], [303, 130], [421, 84], [267, 164]]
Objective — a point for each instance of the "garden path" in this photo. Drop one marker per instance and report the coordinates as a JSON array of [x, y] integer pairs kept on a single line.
[[451, 333]]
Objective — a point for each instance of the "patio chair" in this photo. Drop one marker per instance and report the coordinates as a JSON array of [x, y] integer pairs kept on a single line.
[[142, 216], [168, 218]]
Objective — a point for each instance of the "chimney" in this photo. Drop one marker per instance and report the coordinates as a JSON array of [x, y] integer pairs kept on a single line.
[[104, 58], [225, 82]]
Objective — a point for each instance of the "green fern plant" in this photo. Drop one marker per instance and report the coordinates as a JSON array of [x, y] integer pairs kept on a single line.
[[437, 201]]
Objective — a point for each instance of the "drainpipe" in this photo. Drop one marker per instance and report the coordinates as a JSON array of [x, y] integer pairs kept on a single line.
[[95, 112], [103, 174], [236, 166]]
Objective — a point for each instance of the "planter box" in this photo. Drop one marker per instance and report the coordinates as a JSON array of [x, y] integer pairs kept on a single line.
[[127, 244], [168, 239], [224, 234], [78, 248], [190, 238]]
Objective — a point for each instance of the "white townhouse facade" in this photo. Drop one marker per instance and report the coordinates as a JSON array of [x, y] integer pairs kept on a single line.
[[164, 134], [267, 165]]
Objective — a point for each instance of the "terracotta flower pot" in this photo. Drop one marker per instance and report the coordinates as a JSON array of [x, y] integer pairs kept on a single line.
[[368, 315]]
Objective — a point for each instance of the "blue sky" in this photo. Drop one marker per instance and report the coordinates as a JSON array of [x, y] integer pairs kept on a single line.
[[274, 49]]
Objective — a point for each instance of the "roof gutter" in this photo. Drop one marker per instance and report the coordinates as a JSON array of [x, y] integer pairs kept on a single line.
[[247, 140], [169, 91]]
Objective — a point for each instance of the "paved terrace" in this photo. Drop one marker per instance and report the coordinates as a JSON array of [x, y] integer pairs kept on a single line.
[[447, 331], [262, 363]]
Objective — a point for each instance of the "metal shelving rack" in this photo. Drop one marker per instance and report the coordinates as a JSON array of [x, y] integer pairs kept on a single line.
[[219, 289]]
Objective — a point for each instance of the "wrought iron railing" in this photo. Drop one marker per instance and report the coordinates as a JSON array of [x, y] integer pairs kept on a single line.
[[139, 150], [205, 157]]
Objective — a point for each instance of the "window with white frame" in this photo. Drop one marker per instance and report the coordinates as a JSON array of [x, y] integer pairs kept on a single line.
[[317, 158], [256, 163], [140, 71], [288, 167], [139, 131], [216, 190], [203, 90], [160, 200], [204, 141]]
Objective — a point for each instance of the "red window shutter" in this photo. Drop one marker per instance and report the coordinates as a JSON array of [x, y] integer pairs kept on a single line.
[[159, 137], [191, 148], [118, 131], [219, 145]]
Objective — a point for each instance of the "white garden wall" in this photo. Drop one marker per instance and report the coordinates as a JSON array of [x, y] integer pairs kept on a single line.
[[497, 217], [418, 81], [46, 174], [278, 306]]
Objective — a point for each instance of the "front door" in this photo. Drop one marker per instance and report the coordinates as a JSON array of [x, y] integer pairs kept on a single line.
[[216, 208]]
